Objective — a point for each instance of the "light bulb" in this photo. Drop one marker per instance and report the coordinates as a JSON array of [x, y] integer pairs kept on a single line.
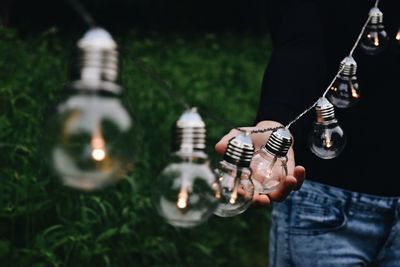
[[269, 163], [326, 139], [92, 131], [234, 174], [375, 38], [187, 192], [344, 92]]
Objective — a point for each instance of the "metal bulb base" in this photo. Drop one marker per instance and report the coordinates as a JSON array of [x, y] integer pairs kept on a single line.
[[348, 66], [325, 111], [98, 62], [376, 16], [279, 142], [240, 150], [189, 133]]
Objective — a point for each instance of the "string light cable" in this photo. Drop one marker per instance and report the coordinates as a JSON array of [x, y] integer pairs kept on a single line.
[[331, 83]]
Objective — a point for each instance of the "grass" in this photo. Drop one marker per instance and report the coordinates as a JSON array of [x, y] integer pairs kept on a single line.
[[45, 224]]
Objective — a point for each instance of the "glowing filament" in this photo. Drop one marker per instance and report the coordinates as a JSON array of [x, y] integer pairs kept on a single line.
[[398, 36], [182, 199], [215, 187], [98, 147], [270, 168], [354, 92], [327, 142], [234, 194], [376, 40]]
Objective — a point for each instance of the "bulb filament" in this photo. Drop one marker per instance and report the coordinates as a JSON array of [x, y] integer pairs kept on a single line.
[[376, 40], [234, 194], [354, 92], [269, 169], [98, 147], [327, 142], [183, 197], [398, 36]]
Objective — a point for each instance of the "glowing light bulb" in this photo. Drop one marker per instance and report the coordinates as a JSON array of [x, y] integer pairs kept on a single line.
[[269, 163], [237, 188], [397, 44], [375, 38], [186, 192], [91, 133], [327, 139], [345, 92]]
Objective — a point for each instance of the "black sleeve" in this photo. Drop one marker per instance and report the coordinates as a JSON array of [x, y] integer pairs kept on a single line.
[[294, 77]]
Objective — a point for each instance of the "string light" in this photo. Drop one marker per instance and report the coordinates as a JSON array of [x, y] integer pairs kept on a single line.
[[92, 130], [182, 202], [327, 139], [269, 163], [187, 191], [375, 38], [235, 177], [345, 92]]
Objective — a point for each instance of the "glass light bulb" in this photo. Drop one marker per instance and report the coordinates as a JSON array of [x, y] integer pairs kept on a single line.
[[267, 171], [187, 192], [237, 189], [375, 38], [345, 92], [91, 145], [327, 140]]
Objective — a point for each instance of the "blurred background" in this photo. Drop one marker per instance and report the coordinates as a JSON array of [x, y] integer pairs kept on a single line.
[[210, 53]]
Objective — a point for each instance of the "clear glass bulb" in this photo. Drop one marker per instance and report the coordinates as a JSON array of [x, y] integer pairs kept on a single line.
[[327, 139], [91, 140], [375, 38], [268, 171], [344, 92], [237, 189], [187, 192]]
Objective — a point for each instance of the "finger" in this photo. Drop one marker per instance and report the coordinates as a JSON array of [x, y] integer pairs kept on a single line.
[[284, 189], [300, 174], [260, 201], [220, 147]]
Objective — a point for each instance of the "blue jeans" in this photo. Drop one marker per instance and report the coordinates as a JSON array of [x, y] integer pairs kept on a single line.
[[322, 225]]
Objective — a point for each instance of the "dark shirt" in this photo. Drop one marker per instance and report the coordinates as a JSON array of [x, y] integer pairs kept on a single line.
[[310, 39]]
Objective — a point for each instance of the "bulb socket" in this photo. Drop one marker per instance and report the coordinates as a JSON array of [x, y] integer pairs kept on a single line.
[[189, 133], [240, 150], [98, 65], [325, 111], [376, 16], [279, 142], [349, 66]]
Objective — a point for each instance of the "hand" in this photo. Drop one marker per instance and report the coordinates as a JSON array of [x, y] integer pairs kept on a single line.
[[292, 181]]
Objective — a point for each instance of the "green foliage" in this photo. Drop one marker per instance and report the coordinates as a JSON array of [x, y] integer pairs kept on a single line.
[[45, 224]]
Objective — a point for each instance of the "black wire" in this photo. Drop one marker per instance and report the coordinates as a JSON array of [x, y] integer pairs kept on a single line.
[[82, 12], [261, 130]]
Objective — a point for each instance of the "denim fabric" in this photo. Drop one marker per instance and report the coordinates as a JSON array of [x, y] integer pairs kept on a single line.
[[322, 225]]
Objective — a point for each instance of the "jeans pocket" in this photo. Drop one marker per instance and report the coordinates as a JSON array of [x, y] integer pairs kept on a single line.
[[313, 215]]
